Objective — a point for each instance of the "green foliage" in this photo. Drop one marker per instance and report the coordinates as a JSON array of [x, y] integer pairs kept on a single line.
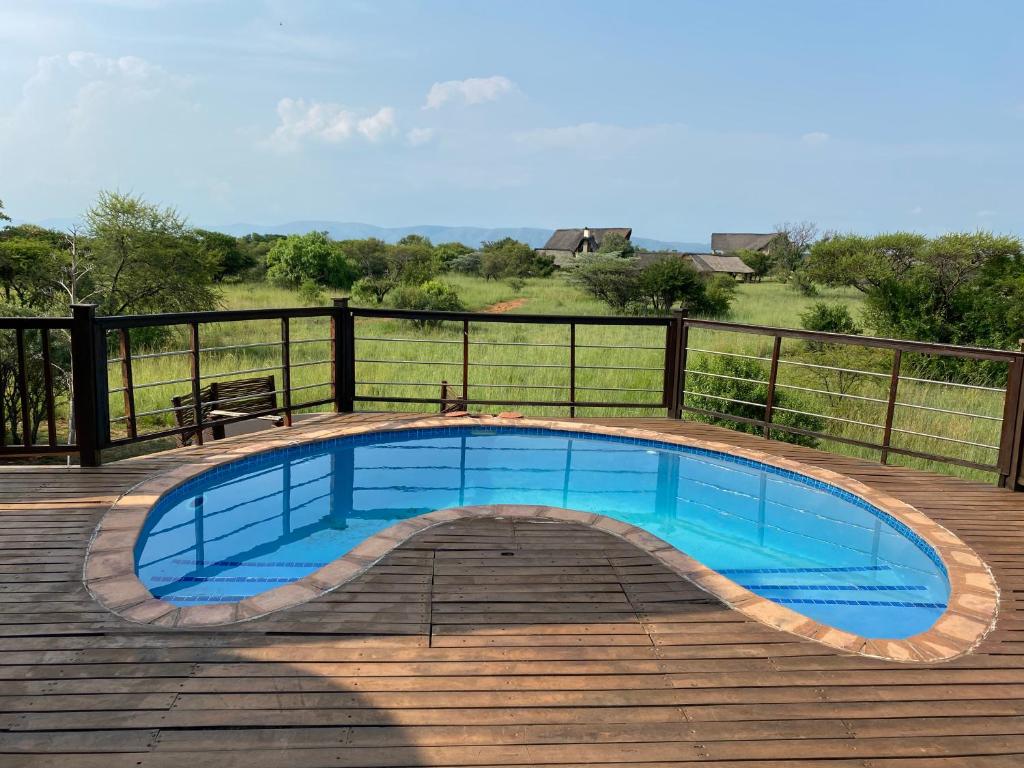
[[10, 399], [865, 263], [791, 245], [668, 281], [413, 261], [312, 257], [738, 379], [467, 264], [254, 248], [960, 288], [610, 279], [30, 260], [762, 263], [510, 258], [432, 295], [312, 294], [800, 281], [624, 285], [719, 291], [144, 258], [226, 253], [3, 215], [448, 253], [829, 318], [614, 244]]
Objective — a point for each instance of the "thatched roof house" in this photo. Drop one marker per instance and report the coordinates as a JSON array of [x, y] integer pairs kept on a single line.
[[565, 244], [730, 242], [705, 263]]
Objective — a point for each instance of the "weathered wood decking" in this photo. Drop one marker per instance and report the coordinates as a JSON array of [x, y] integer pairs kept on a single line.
[[577, 650]]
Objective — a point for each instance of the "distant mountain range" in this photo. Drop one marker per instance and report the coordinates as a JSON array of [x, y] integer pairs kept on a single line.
[[472, 236]]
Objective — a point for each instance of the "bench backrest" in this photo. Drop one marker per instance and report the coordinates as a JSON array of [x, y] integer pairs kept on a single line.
[[239, 395]]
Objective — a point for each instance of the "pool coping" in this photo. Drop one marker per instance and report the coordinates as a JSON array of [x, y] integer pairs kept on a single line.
[[109, 569]]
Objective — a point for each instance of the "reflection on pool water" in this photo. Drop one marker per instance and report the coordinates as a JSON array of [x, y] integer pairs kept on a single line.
[[270, 519]]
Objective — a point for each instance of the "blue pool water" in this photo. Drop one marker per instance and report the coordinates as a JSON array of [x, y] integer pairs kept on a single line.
[[255, 524]]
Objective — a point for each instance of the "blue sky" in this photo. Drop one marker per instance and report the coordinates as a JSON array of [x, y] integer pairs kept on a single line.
[[675, 118]]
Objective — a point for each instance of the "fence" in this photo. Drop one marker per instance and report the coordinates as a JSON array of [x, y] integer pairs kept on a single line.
[[781, 383]]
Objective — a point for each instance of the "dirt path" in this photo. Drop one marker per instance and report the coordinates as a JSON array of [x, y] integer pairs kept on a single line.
[[504, 306]]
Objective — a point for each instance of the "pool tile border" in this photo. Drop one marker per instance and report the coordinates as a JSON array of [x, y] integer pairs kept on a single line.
[[109, 569]]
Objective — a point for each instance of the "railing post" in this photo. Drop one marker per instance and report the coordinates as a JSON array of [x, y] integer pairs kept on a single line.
[[286, 371], [343, 370], [675, 363], [572, 370], [85, 377], [465, 363], [1011, 452], [197, 382], [128, 382], [773, 375], [890, 405]]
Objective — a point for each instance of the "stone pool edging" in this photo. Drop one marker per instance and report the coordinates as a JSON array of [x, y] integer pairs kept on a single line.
[[109, 569]]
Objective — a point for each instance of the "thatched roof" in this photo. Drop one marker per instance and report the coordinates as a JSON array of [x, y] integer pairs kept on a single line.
[[571, 239], [702, 262], [712, 262], [727, 242]]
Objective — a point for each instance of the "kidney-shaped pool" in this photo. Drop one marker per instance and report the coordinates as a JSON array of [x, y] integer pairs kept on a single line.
[[270, 519]]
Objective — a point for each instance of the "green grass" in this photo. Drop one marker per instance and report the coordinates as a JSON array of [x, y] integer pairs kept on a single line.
[[512, 361]]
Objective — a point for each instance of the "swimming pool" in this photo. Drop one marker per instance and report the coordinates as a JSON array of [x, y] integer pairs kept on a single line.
[[270, 519]]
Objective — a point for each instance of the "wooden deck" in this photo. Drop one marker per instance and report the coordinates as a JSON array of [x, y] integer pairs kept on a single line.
[[577, 650]]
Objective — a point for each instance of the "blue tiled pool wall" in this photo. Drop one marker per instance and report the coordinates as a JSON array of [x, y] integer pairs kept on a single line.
[[267, 458]]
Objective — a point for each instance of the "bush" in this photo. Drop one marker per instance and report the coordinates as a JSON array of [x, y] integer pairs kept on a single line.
[[311, 257], [719, 291], [829, 318], [431, 295], [467, 263], [801, 282], [745, 383]]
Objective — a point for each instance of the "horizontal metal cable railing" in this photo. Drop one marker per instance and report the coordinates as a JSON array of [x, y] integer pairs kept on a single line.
[[79, 385]]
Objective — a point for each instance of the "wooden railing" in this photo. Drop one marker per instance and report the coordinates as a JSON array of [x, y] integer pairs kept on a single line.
[[367, 356]]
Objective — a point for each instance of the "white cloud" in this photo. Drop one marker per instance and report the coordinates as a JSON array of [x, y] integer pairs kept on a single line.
[[419, 136], [379, 125], [815, 138], [473, 90], [328, 122]]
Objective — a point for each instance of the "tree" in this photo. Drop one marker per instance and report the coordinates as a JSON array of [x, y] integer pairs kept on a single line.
[[668, 281], [226, 252], [30, 258], [719, 291], [449, 253], [144, 258], [791, 245], [511, 258], [616, 244], [762, 263], [3, 215], [610, 279], [312, 257], [412, 260], [864, 263]]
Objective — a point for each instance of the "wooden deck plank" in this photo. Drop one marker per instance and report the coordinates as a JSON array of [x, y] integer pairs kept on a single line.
[[580, 650]]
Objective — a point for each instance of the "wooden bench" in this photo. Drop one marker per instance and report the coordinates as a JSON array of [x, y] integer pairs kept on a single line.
[[225, 400]]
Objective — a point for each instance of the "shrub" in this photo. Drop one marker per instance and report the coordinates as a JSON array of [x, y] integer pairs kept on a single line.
[[742, 384], [719, 291], [829, 318], [467, 263], [431, 295]]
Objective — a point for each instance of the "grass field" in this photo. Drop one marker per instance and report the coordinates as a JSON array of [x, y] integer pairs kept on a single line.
[[614, 364]]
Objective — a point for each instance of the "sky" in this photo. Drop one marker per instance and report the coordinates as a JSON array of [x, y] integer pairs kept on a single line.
[[676, 118]]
